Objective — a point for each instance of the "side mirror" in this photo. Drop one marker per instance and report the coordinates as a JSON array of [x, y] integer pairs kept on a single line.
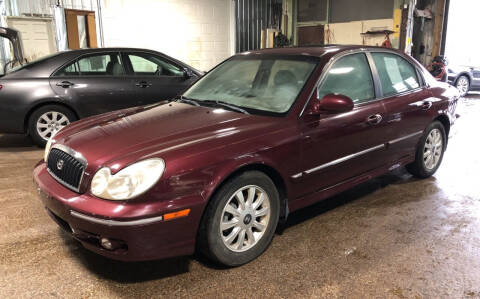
[[331, 103], [187, 73]]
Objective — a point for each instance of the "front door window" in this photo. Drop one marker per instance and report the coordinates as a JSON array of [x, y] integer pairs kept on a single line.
[[349, 76]]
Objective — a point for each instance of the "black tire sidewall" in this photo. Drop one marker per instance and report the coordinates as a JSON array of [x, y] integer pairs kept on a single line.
[[32, 121], [213, 245]]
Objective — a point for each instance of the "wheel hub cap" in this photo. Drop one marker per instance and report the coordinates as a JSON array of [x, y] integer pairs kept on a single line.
[[51, 122], [462, 85], [433, 148], [245, 218]]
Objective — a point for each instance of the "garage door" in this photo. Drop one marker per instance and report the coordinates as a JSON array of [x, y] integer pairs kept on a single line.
[[37, 35]]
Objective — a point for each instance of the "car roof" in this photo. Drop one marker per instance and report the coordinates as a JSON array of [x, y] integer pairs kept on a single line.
[[45, 66], [94, 50], [315, 51], [79, 52]]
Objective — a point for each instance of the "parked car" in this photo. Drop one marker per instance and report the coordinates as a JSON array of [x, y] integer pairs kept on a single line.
[[43, 96], [465, 79], [263, 134]]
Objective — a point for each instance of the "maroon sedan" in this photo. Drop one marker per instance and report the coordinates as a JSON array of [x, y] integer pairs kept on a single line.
[[263, 134]]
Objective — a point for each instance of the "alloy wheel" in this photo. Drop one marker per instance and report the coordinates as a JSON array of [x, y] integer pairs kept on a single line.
[[245, 218], [432, 151], [463, 85], [50, 122]]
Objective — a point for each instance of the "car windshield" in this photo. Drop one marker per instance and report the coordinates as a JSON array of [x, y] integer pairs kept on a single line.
[[266, 84]]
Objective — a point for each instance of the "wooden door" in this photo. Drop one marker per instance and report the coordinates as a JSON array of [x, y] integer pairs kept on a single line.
[[72, 18]]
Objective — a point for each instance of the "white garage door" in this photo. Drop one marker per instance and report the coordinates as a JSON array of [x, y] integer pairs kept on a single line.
[[37, 35]]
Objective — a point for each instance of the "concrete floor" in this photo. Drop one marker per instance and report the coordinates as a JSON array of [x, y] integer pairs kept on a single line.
[[393, 237]]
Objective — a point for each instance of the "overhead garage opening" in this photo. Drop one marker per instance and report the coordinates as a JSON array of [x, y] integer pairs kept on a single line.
[[252, 17], [462, 45]]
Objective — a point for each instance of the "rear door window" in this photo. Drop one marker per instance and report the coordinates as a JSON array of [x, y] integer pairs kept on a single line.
[[396, 74], [102, 64]]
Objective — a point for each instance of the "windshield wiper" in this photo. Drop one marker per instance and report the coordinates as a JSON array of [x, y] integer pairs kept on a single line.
[[231, 106], [187, 100]]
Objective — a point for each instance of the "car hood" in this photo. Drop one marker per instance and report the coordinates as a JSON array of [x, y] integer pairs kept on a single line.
[[158, 131]]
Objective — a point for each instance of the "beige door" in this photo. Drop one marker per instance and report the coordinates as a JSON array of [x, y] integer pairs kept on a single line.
[[37, 35]]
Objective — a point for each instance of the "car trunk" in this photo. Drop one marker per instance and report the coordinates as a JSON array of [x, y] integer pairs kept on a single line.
[[14, 37]]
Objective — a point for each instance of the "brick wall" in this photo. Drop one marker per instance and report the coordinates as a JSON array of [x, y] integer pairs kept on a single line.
[[194, 31]]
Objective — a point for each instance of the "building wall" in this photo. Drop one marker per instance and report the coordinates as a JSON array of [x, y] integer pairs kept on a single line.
[[36, 22], [196, 32], [350, 32]]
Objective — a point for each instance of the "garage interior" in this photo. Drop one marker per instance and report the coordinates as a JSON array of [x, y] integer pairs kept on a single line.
[[392, 237]]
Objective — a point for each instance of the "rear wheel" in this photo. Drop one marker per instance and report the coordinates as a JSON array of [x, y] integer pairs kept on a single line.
[[240, 220], [463, 85], [47, 120], [430, 150]]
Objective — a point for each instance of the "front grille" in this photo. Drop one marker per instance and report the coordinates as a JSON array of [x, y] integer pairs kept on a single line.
[[65, 168]]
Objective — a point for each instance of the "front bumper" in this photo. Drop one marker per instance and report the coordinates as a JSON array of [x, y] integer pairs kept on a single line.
[[143, 237]]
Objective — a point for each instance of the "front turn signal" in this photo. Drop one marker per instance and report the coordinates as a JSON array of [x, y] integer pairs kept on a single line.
[[178, 214]]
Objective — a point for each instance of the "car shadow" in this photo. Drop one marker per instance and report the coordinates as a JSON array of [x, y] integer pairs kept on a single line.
[[12, 142], [125, 272], [399, 176]]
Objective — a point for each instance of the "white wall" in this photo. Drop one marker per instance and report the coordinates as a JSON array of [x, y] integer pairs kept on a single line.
[[197, 32]]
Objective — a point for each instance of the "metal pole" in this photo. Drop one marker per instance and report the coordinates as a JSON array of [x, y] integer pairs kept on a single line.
[[100, 23], [4, 47], [445, 26]]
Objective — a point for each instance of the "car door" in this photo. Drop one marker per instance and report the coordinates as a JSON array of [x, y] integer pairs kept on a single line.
[[341, 146], [156, 78], [94, 83], [407, 100]]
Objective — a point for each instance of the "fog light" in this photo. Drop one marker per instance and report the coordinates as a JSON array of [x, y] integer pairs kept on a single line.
[[106, 243]]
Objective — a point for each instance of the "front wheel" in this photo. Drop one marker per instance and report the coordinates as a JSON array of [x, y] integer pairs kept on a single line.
[[240, 221], [430, 150]]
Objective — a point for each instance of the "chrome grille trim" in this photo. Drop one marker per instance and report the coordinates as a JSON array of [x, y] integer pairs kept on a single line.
[[74, 154]]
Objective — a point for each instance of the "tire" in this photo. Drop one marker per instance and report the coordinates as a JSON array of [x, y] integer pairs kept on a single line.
[[463, 85], [42, 124], [428, 157], [224, 245]]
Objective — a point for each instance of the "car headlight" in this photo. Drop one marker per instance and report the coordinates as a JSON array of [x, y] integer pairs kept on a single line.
[[129, 182], [50, 142]]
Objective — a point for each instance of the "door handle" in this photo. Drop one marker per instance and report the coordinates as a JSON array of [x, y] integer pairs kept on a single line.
[[427, 105], [143, 84], [374, 119], [65, 84]]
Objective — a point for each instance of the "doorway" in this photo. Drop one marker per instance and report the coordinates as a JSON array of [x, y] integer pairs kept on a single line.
[[81, 29]]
